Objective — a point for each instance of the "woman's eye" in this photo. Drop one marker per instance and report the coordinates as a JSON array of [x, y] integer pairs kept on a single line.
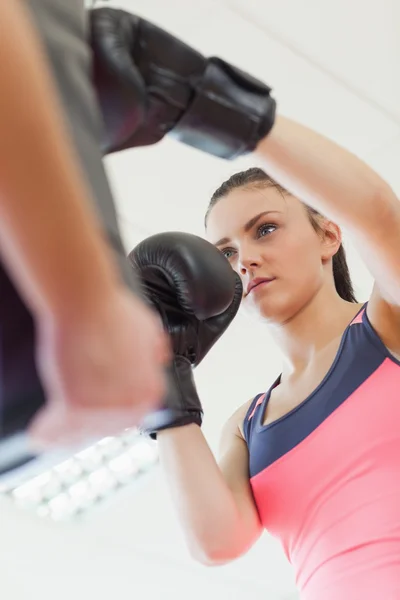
[[265, 229], [228, 252]]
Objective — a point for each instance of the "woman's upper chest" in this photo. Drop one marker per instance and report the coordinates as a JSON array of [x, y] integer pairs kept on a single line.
[[286, 396], [359, 349]]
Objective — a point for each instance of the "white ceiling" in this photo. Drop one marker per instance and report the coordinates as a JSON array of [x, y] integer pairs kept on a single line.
[[334, 66]]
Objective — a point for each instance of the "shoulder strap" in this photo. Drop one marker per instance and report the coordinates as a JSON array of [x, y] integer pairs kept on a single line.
[[257, 400]]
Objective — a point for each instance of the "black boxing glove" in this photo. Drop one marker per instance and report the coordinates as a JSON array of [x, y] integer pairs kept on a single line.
[[197, 295], [151, 84]]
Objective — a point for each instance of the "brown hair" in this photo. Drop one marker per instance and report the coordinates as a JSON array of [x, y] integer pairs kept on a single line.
[[257, 178]]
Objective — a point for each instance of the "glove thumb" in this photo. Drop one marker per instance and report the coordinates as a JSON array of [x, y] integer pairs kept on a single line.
[[120, 88], [214, 327]]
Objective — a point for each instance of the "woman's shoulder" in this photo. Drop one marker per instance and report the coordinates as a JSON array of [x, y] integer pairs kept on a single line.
[[236, 420]]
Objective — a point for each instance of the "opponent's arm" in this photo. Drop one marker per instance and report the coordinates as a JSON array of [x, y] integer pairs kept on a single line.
[[50, 240]]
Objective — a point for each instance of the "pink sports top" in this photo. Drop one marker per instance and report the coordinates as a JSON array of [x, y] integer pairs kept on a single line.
[[326, 476]]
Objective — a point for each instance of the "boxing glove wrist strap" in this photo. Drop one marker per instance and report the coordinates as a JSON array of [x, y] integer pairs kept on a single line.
[[182, 403], [230, 113]]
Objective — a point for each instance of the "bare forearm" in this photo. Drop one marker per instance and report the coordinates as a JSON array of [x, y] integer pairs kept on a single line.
[[206, 507], [50, 239], [320, 173]]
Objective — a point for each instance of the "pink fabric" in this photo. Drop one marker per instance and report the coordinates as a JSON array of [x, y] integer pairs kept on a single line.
[[358, 318], [259, 401], [334, 500]]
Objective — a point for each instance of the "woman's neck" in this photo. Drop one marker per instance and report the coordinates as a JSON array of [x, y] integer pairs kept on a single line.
[[310, 331]]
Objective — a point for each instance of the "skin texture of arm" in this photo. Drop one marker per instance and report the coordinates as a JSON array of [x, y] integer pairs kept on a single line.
[[213, 498], [50, 239]]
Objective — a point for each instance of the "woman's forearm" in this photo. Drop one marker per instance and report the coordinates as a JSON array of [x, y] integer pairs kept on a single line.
[[214, 527], [51, 241], [320, 173]]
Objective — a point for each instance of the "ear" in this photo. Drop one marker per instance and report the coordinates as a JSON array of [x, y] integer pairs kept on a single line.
[[331, 239]]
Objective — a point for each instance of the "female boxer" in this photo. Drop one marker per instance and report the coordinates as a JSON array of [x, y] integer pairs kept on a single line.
[[320, 444], [315, 457]]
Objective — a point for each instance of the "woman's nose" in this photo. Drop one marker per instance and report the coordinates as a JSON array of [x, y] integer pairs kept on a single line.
[[249, 263]]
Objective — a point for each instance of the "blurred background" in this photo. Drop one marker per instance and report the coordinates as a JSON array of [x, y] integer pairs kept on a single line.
[[101, 524]]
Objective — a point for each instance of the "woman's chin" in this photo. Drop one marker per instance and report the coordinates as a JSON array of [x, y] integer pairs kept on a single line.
[[271, 308]]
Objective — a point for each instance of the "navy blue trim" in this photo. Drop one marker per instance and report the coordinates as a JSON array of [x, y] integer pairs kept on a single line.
[[261, 413], [376, 340], [356, 360], [246, 420]]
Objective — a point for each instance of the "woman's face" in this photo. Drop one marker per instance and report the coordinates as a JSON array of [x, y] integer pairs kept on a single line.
[[271, 243]]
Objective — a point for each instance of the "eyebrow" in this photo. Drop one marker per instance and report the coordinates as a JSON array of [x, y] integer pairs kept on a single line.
[[249, 225]]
